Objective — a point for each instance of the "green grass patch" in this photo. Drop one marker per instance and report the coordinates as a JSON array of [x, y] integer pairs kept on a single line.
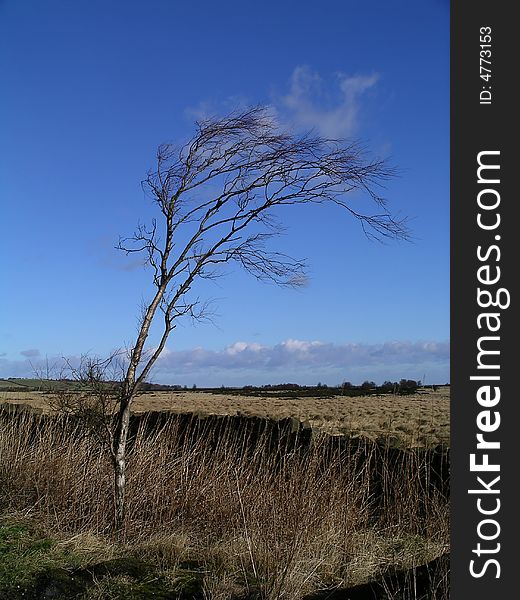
[[24, 551], [34, 565]]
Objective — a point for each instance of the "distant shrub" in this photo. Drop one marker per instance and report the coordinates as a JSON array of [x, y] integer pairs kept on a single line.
[[408, 386], [368, 385], [389, 386]]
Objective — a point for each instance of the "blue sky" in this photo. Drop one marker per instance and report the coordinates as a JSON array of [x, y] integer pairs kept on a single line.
[[91, 88]]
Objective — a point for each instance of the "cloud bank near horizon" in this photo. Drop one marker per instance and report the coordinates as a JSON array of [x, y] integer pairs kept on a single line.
[[298, 361]]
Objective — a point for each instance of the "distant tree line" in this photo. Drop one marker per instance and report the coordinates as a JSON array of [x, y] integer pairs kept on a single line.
[[403, 386]]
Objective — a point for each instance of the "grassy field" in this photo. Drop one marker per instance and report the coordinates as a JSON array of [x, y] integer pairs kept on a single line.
[[228, 521], [416, 420], [223, 522]]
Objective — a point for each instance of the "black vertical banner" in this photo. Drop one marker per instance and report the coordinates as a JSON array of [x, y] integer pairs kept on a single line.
[[485, 372]]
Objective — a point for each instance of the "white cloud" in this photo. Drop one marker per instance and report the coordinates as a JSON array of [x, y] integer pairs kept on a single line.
[[331, 108], [242, 346], [333, 111], [299, 345]]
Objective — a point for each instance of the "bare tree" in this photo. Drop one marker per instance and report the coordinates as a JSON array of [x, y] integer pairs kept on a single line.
[[218, 197]]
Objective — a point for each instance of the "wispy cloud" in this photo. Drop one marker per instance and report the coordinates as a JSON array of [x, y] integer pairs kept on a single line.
[[206, 108], [329, 106], [31, 353], [330, 109]]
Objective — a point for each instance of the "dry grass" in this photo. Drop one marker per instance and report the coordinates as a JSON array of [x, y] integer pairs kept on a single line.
[[417, 420], [284, 525]]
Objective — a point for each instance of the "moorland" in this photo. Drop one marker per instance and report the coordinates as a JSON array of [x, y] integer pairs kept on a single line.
[[332, 496]]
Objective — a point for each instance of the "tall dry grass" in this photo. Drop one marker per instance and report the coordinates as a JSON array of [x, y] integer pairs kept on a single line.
[[282, 523]]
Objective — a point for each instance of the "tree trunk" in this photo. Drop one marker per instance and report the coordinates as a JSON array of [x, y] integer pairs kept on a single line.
[[119, 493], [119, 462]]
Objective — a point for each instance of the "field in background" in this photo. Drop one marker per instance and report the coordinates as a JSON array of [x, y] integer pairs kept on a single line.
[[415, 420]]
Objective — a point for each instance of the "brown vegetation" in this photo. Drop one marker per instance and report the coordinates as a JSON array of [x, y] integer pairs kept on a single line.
[[415, 420], [281, 524]]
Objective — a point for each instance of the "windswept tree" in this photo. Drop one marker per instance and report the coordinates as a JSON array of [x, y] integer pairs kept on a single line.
[[217, 199]]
